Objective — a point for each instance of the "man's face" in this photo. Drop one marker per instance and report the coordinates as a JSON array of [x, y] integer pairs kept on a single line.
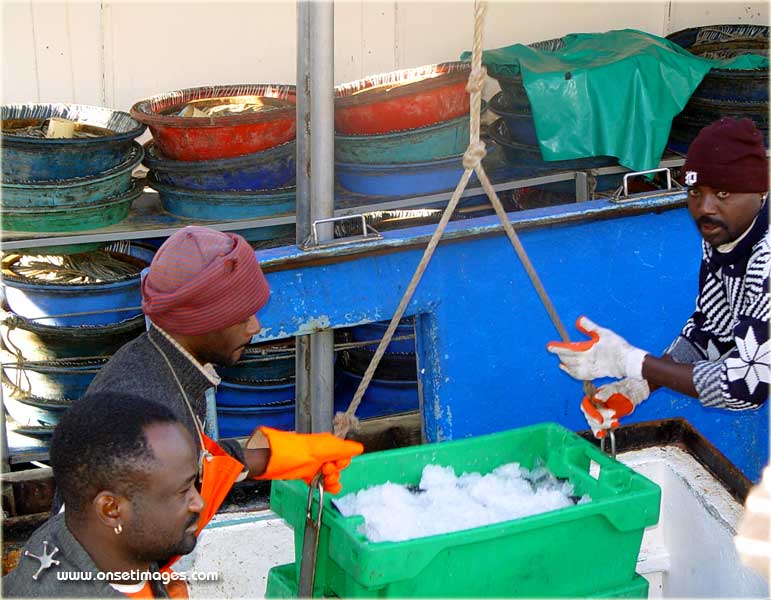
[[225, 347], [163, 515], [722, 216]]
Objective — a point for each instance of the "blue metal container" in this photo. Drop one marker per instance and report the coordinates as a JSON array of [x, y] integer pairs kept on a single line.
[[448, 138], [80, 191], [57, 380], [269, 169], [241, 422], [72, 218], [33, 159], [29, 436], [412, 179], [375, 331], [529, 162], [37, 341], [383, 397], [261, 368], [43, 302], [224, 206], [240, 395], [27, 410], [519, 121]]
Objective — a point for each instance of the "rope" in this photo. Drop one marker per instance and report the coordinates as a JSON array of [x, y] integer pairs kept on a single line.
[[472, 163]]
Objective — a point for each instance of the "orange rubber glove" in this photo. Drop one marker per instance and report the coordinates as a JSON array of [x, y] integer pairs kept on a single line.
[[612, 402], [301, 455]]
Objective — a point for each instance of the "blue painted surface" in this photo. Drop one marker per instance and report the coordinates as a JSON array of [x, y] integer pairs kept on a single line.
[[481, 329], [224, 206], [271, 168], [31, 159], [401, 179], [81, 191], [35, 300]]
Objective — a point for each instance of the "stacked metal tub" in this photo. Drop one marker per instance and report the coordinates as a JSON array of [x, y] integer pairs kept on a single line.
[[402, 133], [57, 335], [394, 386], [223, 166], [258, 390], [723, 92], [73, 183], [514, 133]]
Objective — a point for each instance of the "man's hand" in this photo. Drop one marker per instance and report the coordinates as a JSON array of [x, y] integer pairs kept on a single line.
[[612, 402], [606, 354], [301, 455]]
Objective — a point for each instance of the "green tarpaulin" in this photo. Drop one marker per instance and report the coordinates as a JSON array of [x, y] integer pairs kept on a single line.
[[607, 94]]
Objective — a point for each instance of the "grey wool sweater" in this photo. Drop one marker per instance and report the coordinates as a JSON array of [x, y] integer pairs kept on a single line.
[[75, 576], [138, 369]]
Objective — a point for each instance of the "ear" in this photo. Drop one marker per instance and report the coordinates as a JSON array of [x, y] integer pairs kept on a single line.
[[110, 508]]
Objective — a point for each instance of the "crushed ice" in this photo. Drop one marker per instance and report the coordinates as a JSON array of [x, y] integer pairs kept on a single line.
[[444, 502]]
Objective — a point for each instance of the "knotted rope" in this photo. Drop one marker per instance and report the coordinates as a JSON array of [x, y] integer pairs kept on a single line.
[[472, 163]]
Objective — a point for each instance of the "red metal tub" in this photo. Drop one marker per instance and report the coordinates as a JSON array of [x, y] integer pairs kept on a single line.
[[400, 100], [224, 136]]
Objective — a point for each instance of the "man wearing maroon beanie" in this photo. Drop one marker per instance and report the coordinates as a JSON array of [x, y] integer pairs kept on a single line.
[[202, 293], [722, 354]]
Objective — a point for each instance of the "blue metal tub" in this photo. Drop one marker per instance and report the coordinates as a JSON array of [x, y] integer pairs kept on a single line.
[[411, 179], [58, 380], [240, 395], [37, 341], [32, 159], [411, 146], [259, 368], [240, 422], [224, 206], [72, 218], [519, 121], [528, 161], [74, 192], [27, 410], [383, 397], [268, 169], [43, 302], [29, 436], [375, 331]]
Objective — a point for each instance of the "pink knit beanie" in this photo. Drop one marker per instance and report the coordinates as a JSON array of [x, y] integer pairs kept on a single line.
[[202, 280]]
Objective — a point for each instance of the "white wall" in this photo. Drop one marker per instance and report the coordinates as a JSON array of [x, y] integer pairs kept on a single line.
[[114, 53]]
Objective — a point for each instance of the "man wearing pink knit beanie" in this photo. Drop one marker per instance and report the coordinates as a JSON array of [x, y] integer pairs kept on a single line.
[[202, 293], [721, 356]]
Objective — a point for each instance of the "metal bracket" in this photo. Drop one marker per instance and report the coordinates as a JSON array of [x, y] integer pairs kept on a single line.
[[621, 195], [367, 234]]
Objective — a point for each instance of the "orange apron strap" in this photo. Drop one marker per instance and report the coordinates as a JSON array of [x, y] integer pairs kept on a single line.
[[220, 471]]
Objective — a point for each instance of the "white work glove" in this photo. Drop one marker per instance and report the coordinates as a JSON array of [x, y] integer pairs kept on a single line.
[[606, 354], [613, 401], [753, 537]]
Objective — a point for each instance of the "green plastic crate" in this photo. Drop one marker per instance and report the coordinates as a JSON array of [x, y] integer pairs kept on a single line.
[[282, 584], [574, 551]]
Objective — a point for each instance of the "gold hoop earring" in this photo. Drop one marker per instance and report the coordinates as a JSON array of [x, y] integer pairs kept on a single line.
[[119, 529]]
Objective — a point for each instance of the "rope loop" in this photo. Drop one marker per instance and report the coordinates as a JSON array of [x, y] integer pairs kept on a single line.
[[344, 422], [474, 155], [476, 80]]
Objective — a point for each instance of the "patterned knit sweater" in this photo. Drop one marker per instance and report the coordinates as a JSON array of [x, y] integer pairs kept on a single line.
[[727, 337]]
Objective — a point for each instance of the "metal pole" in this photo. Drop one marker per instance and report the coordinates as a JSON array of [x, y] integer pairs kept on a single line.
[[5, 453], [302, 409], [322, 58]]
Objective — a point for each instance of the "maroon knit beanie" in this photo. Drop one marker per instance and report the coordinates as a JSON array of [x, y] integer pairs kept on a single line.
[[728, 155], [201, 281]]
